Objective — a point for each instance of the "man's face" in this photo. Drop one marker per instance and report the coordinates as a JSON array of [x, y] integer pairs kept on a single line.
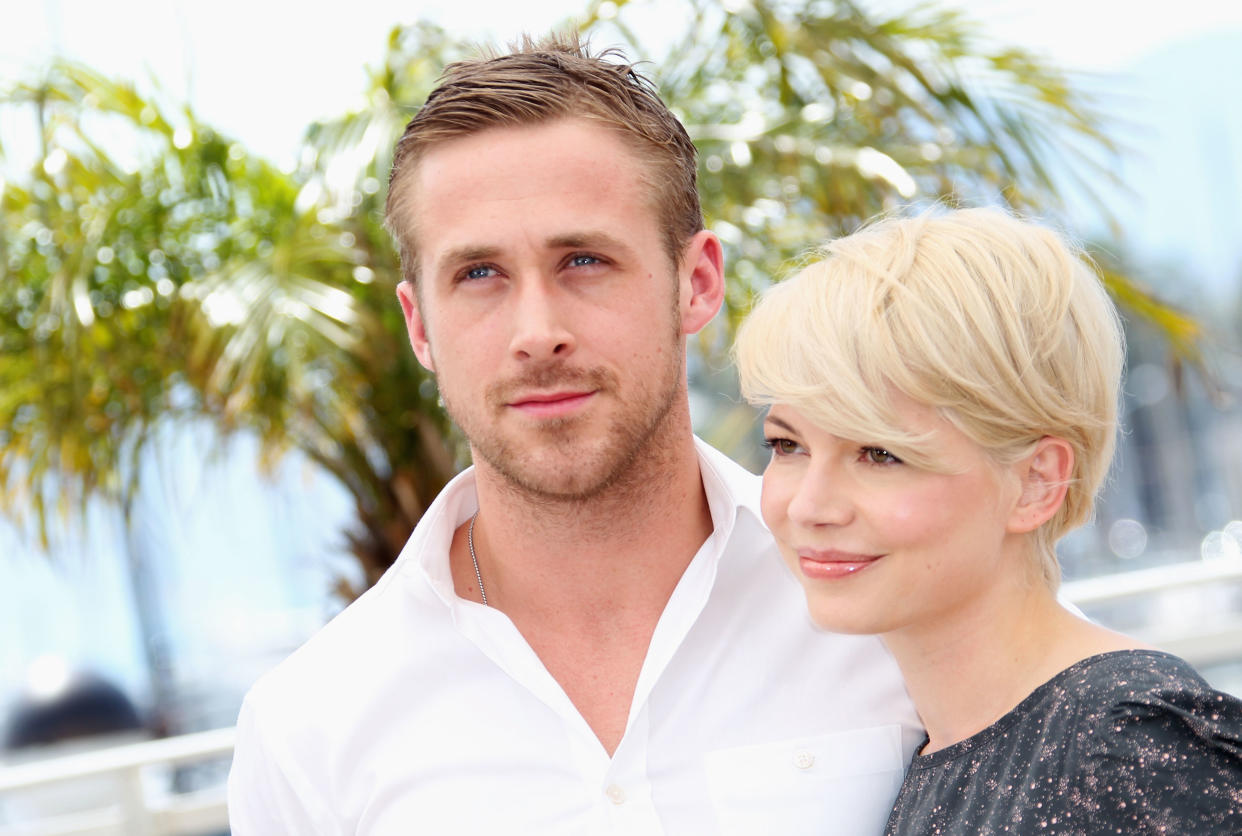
[[547, 307]]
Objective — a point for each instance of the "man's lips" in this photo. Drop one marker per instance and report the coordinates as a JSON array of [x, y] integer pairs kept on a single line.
[[551, 404], [831, 564]]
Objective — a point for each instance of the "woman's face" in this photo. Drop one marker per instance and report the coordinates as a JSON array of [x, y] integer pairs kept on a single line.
[[880, 545]]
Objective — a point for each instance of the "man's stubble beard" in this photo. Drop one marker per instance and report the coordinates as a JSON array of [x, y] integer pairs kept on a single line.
[[554, 467], [561, 465]]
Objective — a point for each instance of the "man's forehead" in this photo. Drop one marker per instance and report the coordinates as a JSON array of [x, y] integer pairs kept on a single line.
[[506, 158], [554, 183]]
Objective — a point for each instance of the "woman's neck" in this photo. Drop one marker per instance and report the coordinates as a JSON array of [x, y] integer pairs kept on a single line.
[[979, 661]]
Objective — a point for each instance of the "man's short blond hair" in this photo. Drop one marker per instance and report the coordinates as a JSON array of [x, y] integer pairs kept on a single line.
[[540, 81], [995, 321]]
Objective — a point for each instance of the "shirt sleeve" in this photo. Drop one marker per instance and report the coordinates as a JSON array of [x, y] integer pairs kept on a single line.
[[1166, 763], [267, 794]]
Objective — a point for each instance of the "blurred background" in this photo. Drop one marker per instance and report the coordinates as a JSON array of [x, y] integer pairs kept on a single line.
[[212, 432]]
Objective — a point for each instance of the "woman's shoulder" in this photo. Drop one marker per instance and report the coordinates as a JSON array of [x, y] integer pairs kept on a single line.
[[1163, 747], [1129, 739], [1156, 695], [1078, 704], [1131, 673], [1141, 682]]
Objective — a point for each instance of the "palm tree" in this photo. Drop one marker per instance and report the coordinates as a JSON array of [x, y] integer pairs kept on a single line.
[[154, 270], [198, 281]]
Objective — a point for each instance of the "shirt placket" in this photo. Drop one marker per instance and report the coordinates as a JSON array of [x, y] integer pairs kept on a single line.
[[618, 788]]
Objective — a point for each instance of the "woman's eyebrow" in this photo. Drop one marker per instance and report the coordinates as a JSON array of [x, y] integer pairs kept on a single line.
[[778, 422]]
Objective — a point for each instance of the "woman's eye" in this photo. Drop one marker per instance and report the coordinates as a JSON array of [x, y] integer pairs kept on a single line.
[[781, 446], [878, 455]]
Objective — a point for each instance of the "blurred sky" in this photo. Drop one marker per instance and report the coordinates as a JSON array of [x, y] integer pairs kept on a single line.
[[240, 560], [262, 70]]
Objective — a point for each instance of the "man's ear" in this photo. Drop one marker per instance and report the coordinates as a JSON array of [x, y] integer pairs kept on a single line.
[[1045, 475], [414, 325], [701, 281]]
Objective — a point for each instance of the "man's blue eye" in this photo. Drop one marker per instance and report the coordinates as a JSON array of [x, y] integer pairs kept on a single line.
[[478, 272], [583, 260]]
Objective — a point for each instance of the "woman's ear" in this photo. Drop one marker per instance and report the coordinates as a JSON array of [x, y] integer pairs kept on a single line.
[[1045, 474]]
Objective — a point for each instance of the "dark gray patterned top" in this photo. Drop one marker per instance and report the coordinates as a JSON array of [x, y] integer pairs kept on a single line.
[[1132, 742]]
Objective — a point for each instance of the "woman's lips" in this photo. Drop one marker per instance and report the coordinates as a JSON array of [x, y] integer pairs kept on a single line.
[[832, 564]]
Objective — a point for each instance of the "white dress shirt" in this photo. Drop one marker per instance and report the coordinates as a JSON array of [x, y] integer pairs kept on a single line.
[[415, 711]]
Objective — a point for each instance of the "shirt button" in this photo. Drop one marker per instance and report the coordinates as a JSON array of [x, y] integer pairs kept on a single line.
[[615, 794], [803, 759]]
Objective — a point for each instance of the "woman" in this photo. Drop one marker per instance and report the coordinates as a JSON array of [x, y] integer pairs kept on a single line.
[[943, 395]]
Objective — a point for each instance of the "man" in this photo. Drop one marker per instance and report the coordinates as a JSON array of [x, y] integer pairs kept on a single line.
[[590, 630]]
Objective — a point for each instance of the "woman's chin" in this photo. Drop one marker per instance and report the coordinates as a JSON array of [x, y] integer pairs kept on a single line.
[[830, 616]]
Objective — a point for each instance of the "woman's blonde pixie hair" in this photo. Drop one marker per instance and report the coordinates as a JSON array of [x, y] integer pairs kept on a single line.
[[994, 321]]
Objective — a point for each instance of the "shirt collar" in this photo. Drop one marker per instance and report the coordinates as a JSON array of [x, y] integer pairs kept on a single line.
[[731, 490], [426, 552]]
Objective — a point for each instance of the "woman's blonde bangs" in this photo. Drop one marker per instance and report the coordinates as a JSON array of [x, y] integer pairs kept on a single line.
[[842, 382]]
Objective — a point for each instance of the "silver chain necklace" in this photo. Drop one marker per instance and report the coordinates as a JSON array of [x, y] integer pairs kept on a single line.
[[474, 558]]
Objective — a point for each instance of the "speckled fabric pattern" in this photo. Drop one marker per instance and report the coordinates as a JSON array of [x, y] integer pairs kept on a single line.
[[1132, 742]]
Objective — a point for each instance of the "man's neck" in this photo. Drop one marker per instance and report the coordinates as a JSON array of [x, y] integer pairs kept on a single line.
[[586, 582], [627, 545]]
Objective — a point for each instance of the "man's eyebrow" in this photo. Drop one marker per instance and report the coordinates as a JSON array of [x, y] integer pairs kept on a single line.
[[570, 240], [586, 240], [469, 252]]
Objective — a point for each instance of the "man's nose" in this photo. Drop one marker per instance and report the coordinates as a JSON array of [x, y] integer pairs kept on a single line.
[[541, 329]]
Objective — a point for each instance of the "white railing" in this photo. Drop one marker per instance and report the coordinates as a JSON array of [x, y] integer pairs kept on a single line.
[[1200, 641], [1149, 581], [137, 808]]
